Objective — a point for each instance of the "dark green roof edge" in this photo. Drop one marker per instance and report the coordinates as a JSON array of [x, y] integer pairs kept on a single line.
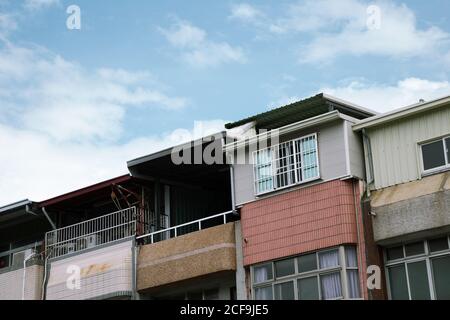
[[317, 100]]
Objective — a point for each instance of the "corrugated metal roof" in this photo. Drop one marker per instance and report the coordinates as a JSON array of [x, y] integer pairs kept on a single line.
[[302, 110], [85, 190], [402, 113], [14, 206], [168, 151]]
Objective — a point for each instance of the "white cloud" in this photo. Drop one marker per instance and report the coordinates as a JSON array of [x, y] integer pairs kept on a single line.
[[38, 168], [327, 29], [398, 35], [44, 90], [183, 34], [197, 50], [384, 98], [245, 12], [39, 4], [7, 23]]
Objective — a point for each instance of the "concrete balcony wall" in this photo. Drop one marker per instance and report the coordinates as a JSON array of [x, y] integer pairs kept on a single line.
[[415, 209], [105, 272], [11, 283], [189, 256]]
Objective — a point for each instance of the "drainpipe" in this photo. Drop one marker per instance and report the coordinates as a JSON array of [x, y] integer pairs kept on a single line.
[[47, 255], [368, 160], [25, 273], [48, 218], [360, 252], [233, 199], [27, 210]]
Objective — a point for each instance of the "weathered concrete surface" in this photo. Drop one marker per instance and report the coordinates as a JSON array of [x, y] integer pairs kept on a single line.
[[189, 256], [417, 207]]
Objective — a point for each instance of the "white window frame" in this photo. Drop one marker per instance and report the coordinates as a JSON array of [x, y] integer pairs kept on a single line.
[[437, 169], [427, 256], [296, 167], [317, 273]]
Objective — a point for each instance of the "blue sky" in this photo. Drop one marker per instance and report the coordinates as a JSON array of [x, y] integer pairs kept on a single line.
[[143, 75]]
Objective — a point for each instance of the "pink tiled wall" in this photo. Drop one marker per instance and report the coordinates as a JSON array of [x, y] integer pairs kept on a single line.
[[299, 221]]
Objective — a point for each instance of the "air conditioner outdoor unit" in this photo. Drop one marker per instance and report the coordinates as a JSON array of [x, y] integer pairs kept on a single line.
[[19, 257]]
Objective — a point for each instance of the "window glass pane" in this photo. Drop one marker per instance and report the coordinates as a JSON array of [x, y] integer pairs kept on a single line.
[[447, 145], [331, 286], [284, 291], [264, 293], [441, 276], [351, 259], [262, 273], [263, 170], [438, 244], [418, 281], [353, 284], [329, 259], [394, 253], [307, 263], [413, 249], [397, 282], [433, 155], [284, 160], [308, 289], [309, 168], [284, 267]]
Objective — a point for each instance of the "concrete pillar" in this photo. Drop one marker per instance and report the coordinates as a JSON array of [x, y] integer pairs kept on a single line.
[[241, 289]]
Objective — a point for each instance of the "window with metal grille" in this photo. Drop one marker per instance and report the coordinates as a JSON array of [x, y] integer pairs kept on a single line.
[[292, 162]]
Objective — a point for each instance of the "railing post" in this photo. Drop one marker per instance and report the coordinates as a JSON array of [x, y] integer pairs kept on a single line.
[[225, 218], [199, 225]]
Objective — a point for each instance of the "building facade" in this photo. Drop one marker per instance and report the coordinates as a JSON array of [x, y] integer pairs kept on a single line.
[[296, 203], [299, 201], [407, 164]]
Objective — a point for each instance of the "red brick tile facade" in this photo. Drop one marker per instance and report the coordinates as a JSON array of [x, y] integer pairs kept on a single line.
[[299, 221]]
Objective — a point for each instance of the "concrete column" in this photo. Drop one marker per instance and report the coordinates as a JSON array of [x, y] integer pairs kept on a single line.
[[241, 290]]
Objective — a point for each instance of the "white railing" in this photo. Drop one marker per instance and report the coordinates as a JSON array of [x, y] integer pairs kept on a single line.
[[189, 227], [91, 233]]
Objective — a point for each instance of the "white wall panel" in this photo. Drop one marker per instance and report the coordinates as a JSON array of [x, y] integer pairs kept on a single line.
[[104, 272]]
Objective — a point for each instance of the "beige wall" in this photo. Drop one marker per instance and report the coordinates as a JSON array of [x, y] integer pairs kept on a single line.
[[189, 256], [105, 273], [394, 146], [11, 283]]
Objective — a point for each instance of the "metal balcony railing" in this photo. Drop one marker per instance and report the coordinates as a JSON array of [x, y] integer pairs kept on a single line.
[[91, 233], [186, 228]]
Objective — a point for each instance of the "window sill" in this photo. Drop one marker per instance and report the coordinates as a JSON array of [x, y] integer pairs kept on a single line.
[[263, 194], [432, 172]]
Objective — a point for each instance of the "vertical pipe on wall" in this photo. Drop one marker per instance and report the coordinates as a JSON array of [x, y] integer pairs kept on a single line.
[[361, 248], [233, 198]]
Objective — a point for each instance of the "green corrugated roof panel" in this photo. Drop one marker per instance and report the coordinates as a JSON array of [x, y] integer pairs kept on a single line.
[[298, 111]]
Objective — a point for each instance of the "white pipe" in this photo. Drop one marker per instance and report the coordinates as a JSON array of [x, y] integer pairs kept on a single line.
[[25, 273], [45, 276]]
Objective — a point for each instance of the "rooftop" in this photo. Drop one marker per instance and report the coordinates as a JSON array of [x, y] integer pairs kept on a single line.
[[303, 109], [402, 113]]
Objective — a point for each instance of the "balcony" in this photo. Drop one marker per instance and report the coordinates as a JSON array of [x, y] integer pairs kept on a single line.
[[100, 249], [412, 210], [22, 280], [196, 253], [88, 235]]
